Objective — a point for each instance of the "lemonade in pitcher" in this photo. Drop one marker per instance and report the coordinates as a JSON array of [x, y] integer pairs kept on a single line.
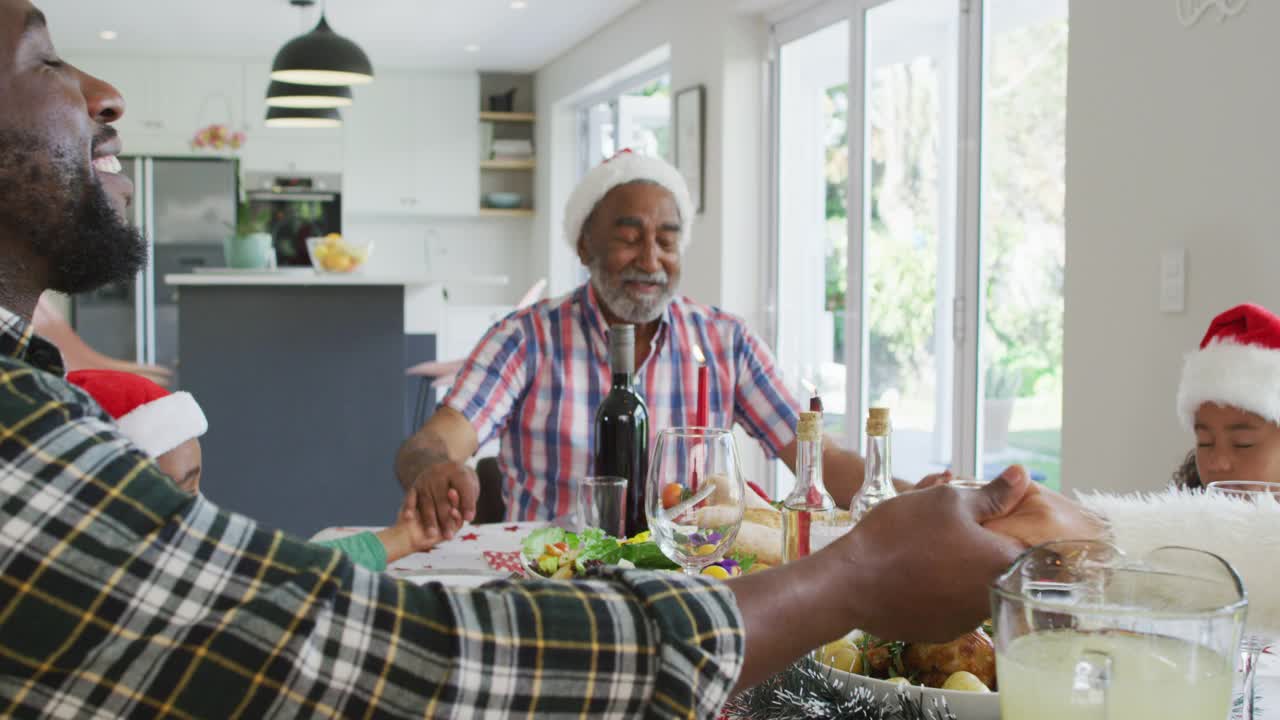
[[1084, 632], [1147, 677]]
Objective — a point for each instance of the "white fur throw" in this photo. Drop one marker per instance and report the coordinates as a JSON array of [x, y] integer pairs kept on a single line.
[[1244, 533]]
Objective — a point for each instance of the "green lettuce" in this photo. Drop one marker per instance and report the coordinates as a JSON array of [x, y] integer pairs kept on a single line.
[[647, 556], [539, 539]]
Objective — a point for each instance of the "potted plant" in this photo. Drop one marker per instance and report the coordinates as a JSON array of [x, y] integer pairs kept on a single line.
[[1002, 381], [251, 246]]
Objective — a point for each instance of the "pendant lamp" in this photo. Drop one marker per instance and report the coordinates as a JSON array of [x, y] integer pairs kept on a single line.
[[278, 117], [322, 57], [292, 95]]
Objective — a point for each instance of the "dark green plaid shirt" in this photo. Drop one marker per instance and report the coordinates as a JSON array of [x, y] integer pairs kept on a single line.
[[124, 597]]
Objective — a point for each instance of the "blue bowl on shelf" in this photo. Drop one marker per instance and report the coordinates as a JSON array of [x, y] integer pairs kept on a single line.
[[502, 200]]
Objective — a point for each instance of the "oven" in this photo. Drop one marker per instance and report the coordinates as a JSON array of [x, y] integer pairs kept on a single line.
[[295, 208]]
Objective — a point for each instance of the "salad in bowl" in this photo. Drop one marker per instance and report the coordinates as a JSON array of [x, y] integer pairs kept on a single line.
[[559, 554]]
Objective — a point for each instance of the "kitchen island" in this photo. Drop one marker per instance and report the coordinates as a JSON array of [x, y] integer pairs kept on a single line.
[[302, 378]]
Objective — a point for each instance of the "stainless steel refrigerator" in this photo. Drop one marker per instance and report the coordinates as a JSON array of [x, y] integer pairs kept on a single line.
[[186, 208]]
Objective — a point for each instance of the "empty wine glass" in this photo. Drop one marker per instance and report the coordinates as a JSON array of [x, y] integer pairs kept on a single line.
[[694, 495], [1253, 643]]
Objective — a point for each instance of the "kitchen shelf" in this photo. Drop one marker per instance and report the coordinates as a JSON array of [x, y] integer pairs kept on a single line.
[[507, 164], [506, 212], [511, 117]]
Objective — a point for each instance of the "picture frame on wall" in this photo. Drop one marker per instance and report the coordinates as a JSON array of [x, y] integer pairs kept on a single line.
[[689, 140]]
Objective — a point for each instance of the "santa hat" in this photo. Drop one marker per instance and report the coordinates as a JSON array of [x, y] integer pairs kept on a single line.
[[153, 418], [1238, 364], [625, 167]]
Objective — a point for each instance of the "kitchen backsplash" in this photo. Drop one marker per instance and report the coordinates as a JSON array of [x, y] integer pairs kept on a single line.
[[455, 250]]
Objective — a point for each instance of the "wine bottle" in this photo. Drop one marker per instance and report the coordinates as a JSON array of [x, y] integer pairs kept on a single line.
[[877, 481], [810, 519], [622, 428]]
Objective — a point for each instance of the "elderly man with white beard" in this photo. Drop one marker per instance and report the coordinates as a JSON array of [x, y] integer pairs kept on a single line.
[[537, 377]]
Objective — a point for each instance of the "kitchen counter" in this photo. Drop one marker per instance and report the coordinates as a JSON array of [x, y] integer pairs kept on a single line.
[[309, 277]]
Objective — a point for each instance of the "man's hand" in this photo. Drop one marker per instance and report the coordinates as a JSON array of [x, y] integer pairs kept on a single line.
[[447, 493], [431, 462], [1044, 516], [922, 562]]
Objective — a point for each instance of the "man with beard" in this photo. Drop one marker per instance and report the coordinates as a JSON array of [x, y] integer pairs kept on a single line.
[[122, 596], [537, 377]]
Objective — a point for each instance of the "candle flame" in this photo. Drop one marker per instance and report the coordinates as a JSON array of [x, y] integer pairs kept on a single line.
[[808, 386], [697, 355]]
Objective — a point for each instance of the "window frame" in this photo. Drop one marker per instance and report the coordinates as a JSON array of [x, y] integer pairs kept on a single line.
[[967, 304]]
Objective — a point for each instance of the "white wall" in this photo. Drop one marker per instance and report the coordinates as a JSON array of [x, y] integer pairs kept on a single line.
[[1171, 143]]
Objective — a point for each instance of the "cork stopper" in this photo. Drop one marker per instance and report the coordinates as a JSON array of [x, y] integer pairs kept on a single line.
[[809, 429], [878, 421]]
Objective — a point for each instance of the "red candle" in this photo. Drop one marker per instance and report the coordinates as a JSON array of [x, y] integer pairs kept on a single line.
[[702, 418]]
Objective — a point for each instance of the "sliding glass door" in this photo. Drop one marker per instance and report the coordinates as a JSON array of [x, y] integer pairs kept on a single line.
[[919, 224]]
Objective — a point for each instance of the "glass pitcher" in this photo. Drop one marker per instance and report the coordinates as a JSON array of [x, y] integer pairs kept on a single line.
[[1083, 632]]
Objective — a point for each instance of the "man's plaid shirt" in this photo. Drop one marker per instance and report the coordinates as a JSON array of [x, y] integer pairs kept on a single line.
[[124, 597]]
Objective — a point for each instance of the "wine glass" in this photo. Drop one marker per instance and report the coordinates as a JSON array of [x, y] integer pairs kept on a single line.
[[1252, 491], [694, 495]]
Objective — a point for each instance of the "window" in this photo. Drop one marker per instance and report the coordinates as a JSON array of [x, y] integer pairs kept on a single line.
[[919, 206], [638, 117]]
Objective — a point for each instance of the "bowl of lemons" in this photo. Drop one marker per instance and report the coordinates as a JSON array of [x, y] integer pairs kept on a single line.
[[334, 254]]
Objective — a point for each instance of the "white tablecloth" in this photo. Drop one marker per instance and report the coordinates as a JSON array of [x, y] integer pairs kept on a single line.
[[475, 548]]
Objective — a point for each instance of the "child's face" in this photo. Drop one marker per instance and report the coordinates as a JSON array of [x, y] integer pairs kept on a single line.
[[182, 464]]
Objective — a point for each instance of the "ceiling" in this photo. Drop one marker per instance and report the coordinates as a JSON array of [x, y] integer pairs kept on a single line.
[[395, 33]]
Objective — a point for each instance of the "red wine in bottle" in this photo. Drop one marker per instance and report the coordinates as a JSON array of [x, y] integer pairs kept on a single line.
[[622, 428]]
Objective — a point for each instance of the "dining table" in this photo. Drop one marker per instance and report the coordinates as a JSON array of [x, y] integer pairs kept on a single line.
[[481, 553]]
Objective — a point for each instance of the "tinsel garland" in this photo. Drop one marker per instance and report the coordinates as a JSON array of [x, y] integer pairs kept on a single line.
[[806, 691]]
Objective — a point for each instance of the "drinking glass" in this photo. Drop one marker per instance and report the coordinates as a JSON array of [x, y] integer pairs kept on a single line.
[[1083, 632], [602, 503], [1251, 649], [694, 495]]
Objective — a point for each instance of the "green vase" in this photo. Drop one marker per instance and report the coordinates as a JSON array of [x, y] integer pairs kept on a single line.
[[251, 252]]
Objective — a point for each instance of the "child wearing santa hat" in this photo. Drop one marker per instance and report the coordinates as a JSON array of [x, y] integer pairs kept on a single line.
[[1229, 396], [167, 426]]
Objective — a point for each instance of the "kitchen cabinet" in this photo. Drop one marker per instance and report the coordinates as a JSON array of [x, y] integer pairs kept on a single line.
[[412, 144], [284, 150], [166, 101]]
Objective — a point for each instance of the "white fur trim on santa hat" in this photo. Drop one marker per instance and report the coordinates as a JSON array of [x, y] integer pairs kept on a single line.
[[164, 424], [1227, 373], [625, 168], [1245, 534]]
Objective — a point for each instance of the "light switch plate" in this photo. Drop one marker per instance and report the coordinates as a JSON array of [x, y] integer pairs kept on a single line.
[[1173, 280]]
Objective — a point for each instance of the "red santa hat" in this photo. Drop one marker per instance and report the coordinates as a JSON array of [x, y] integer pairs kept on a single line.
[[153, 418], [626, 167], [1238, 364]]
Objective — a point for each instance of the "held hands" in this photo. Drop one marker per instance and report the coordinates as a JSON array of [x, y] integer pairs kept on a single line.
[[1042, 516], [446, 497], [922, 562], [408, 535]]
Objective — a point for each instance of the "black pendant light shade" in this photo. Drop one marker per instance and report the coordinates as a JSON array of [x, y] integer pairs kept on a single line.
[[292, 95], [278, 117], [322, 57]]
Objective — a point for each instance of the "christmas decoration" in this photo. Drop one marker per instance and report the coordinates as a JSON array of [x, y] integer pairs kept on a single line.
[[806, 691]]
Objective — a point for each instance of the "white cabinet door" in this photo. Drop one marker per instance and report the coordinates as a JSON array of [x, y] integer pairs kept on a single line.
[[381, 172], [284, 150], [448, 132], [411, 147]]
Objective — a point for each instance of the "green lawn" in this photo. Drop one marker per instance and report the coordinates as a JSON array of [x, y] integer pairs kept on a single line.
[[1042, 442]]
